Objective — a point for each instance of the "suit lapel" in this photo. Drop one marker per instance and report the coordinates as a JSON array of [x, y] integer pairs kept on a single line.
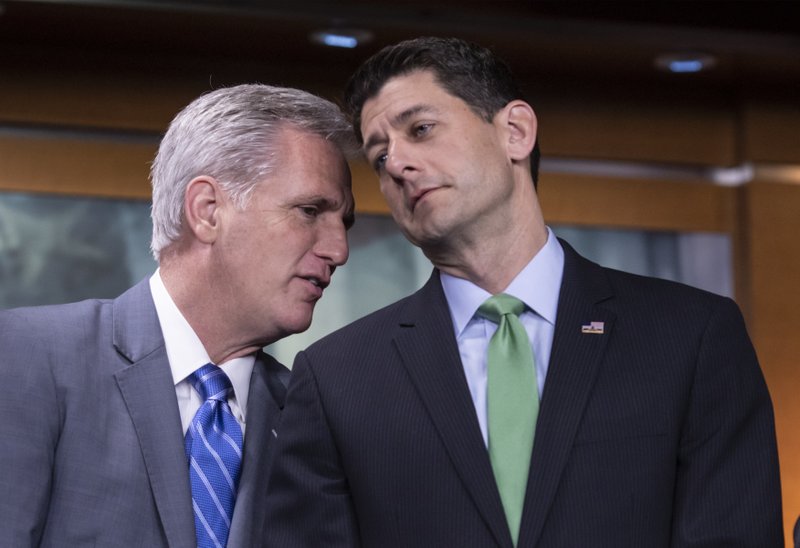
[[149, 393], [575, 359], [267, 392], [428, 349]]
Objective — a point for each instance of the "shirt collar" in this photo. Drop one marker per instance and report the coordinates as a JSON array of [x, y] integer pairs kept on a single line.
[[537, 285], [186, 352]]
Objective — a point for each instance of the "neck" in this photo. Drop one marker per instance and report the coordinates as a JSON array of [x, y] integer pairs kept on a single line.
[[194, 294], [494, 255], [490, 269]]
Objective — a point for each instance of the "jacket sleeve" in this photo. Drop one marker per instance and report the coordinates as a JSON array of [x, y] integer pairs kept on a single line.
[[308, 501], [728, 489], [29, 430]]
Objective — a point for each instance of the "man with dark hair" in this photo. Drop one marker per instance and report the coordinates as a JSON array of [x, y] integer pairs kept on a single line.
[[473, 74], [147, 420], [524, 396]]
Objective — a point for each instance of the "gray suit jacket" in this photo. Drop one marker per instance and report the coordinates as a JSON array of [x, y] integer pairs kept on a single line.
[[92, 447]]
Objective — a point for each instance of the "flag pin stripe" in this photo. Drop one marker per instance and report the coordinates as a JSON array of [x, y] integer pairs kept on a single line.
[[596, 328]]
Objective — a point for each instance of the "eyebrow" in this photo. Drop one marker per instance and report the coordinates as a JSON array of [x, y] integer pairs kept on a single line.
[[399, 120], [319, 201]]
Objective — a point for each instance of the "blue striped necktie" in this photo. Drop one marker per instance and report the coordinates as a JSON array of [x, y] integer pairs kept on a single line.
[[214, 450]]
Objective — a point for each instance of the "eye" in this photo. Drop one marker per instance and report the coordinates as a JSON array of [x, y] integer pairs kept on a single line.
[[379, 162], [422, 129], [309, 211]]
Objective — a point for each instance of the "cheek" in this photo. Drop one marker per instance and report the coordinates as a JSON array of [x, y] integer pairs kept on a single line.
[[297, 247], [393, 195], [386, 187]]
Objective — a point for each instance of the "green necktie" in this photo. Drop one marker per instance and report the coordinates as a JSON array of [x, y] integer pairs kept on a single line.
[[513, 404]]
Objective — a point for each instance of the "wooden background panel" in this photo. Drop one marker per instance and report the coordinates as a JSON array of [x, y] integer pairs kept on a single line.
[[366, 189], [74, 97], [623, 127], [134, 91], [93, 168], [774, 275], [638, 204], [771, 131]]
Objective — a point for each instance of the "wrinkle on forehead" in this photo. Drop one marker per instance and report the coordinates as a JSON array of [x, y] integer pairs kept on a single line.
[[400, 94], [399, 120]]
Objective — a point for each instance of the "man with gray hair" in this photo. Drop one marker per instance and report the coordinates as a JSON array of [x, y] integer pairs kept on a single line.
[[146, 420]]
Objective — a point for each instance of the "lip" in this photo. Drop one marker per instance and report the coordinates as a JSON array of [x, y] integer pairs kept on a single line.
[[418, 195], [316, 288]]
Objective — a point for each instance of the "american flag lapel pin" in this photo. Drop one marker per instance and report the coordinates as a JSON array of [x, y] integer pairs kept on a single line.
[[597, 328]]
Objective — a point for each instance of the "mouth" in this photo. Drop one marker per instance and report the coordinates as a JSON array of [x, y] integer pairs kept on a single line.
[[317, 282], [419, 195]]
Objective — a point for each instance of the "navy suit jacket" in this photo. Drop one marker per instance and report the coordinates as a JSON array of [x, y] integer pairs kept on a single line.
[[92, 446], [657, 432]]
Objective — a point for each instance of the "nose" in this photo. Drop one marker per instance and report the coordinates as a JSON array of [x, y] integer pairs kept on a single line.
[[399, 164], [332, 244]]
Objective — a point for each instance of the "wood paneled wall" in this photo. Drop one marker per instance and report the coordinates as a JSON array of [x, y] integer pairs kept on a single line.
[[773, 272], [763, 217]]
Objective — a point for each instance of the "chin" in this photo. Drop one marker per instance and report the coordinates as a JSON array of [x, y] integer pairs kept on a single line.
[[297, 325]]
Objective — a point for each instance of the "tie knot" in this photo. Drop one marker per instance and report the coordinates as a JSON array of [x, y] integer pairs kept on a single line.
[[211, 382], [494, 308]]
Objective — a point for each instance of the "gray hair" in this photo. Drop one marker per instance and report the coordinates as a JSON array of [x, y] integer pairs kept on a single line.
[[230, 134]]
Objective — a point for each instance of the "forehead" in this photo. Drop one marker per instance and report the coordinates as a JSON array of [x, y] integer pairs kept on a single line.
[[296, 147], [403, 96], [303, 160], [398, 91]]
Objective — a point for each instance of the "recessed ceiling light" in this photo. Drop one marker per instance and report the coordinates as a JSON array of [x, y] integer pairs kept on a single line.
[[341, 38], [685, 62]]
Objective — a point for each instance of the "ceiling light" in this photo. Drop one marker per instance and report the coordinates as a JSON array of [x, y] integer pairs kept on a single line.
[[685, 62], [732, 176], [341, 38]]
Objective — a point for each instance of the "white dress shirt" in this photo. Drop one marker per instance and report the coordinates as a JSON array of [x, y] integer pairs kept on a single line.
[[538, 286], [186, 354]]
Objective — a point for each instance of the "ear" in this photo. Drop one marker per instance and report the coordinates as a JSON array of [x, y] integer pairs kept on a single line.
[[520, 123], [202, 204]]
